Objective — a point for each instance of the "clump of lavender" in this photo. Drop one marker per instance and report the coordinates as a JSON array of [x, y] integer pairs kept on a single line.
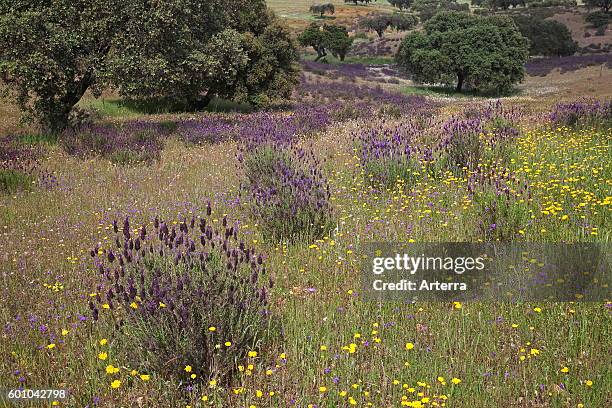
[[461, 141], [131, 143], [183, 294], [288, 194], [208, 129], [21, 168], [582, 113], [391, 155]]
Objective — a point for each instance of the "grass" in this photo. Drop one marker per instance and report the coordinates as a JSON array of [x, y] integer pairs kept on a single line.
[[323, 357]]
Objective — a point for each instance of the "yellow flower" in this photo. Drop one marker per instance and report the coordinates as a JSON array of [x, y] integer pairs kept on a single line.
[[212, 383], [204, 398], [103, 342], [537, 309], [258, 393], [565, 370], [145, 377], [322, 389], [252, 354], [228, 343], [193, 376], [323, 348], [409, 346], [588, 383], [188, 369], [64, 332], [51, 346], [457, 305], [212, 329], [455, 380], [116, 384], [102, 356], [134, 305], [111, 369]]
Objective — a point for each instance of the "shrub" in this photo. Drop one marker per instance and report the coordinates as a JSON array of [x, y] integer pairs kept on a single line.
[[20, 167], [12, 181], [133, 143], [461, 141], [179, 292], [598, 19], [547, 37], [582, 113], [288, 194]]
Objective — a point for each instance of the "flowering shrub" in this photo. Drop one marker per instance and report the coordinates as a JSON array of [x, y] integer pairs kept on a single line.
[[582, 113], [20, 167], [288, 193], [132, 143], [187, 294]]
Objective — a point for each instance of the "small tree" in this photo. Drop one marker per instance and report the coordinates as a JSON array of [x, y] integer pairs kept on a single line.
[[486, 53], [51, 53], [604, 5], [381, 22], [401, 4], [426, 9], [547, 37], [327, 37], [321, 9]]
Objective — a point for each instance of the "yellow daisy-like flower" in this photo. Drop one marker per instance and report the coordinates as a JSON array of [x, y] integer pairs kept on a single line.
[[188, 369], [145, 377], [228, 343], [212, 329], [134, 305], [455, 380], [252, 354], [116, 384], [322, 389], [103, 356], [65, 332], [409, 346], [51, 346], [588, 383], [565, 370]]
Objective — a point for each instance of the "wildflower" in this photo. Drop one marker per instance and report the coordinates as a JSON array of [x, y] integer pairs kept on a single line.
[[145, 377], [322, 389], [111, 369], [103, 356], [537, 309], [588, 383], [564, 370], [116, 384], [188, 369], [51, 346], [212, 329], [252, 354], [228, 343], [212, 383], [134, 305], [409, 346], [103, 342], [455, 380], [64, 332]]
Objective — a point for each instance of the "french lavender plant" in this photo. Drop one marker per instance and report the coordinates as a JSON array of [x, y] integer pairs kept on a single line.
[[188, 293], [21, 168], [131, 143], [288, 194], [582, 113]]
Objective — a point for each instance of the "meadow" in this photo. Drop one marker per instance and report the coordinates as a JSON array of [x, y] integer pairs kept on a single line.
[[259, 221]]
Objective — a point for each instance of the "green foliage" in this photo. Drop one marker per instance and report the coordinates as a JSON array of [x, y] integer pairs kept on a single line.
[[401, 4], [380, 23], [604, 5], [330, 37], [52, 52], [321, 9], [500, 216], [547, 37], [486, 53], [387, 174], [12, 181], [187, 51], [191, 51], [598, 19], [426, 9]]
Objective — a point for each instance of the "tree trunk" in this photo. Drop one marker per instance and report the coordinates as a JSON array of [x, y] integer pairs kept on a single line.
[[55, 119], [199, 103], [320, 53], [460, 80]]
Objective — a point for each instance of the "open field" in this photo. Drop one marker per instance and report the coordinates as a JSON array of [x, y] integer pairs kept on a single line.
[[152, 258]]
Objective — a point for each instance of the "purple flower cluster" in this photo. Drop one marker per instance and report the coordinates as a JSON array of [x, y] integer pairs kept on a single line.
[[288, 193], [544, 66], [179, 290], [21, 167], [582, 113], [129, 143]]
